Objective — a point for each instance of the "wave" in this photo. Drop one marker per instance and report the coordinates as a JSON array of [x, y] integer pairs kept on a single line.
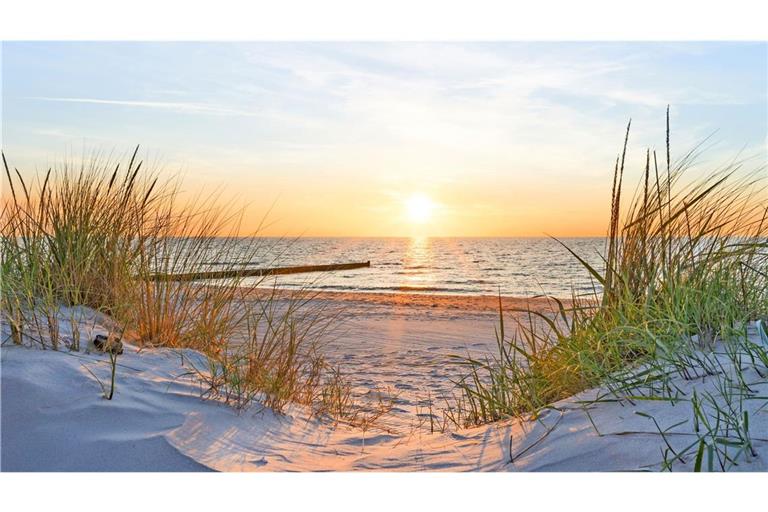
[[389, 289], [426, 289]]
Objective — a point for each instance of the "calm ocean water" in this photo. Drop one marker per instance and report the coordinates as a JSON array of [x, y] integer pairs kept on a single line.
[[466, 266]]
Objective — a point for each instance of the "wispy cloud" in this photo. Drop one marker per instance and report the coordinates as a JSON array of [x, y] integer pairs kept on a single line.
[[338, 123], [176, 106]]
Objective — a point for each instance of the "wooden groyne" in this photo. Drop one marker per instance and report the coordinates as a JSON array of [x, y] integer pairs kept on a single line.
[[257, 272]]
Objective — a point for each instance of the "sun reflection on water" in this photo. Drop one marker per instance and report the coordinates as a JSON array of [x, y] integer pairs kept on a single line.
[[417, 264]]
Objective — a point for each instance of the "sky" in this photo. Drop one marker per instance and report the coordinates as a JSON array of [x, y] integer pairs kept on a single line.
[[389, 139]]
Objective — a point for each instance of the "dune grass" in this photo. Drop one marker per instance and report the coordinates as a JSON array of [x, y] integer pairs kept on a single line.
[[93, 233], [685, 269], [70, 237], [275, 358]]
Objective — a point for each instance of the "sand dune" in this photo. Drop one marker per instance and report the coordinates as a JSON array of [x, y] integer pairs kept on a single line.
[[54, 418]]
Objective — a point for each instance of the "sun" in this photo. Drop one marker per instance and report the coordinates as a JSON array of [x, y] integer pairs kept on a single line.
[[419, 208]]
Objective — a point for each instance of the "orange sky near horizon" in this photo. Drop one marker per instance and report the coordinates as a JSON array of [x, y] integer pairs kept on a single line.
[[353, 210], [283, 206]]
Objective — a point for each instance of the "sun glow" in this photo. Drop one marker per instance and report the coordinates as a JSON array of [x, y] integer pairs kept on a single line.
[[419, 208]]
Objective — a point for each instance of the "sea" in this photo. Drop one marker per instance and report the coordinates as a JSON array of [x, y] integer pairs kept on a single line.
[[519, 267]]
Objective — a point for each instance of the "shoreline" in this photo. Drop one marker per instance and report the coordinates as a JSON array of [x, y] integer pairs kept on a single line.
[[465, 303]]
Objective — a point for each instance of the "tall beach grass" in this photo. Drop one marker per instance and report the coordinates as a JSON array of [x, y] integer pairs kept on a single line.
[[96, 233], [685, 268]]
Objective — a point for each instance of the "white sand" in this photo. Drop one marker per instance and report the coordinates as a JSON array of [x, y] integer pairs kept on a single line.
[[54, 418]]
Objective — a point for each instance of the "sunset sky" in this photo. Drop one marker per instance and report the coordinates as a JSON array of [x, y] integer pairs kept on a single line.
[[385, 139]]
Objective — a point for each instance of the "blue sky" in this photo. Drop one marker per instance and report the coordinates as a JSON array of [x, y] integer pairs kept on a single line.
[[506, 139]]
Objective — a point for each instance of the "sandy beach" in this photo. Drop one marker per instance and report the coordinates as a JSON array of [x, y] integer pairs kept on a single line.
[[54, 418], [398, 347]]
